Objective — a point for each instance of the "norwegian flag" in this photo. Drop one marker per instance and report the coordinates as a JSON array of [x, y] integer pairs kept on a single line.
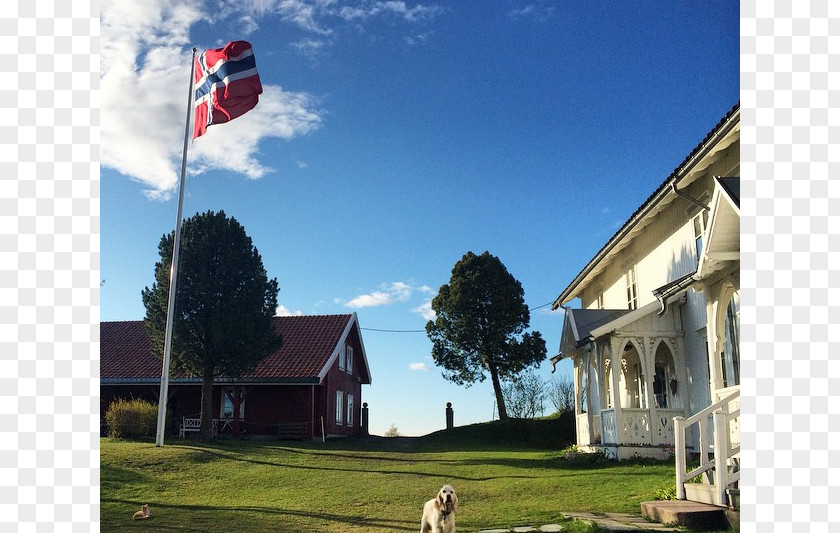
[[227, 85]]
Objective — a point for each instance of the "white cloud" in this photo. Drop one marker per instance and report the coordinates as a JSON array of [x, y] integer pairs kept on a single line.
[[386, 295], [422, 367], [282, 310], [374, 299], [144, 84], [145, 60], [425, 311]]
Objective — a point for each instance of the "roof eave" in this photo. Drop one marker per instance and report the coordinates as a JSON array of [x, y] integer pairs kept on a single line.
[[724, 127], [197, 381]]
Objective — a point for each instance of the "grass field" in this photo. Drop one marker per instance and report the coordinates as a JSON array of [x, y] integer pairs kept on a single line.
[[504, 477]]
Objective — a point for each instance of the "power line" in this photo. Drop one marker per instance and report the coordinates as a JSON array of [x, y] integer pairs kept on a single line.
[[540, 306], [395, 330], [424, 331]]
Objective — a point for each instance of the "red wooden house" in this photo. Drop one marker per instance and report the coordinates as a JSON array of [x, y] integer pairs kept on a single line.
[[313, 383]]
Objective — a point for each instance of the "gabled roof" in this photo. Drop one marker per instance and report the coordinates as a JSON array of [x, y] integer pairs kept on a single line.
[[579, 323], [722, 238], [311, 345], [664, 194]]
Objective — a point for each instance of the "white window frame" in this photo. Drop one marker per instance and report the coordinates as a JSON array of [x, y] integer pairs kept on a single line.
[[350, 405], [349, 359], [339, 407], [698, 223], [630, 280], [341, 358]]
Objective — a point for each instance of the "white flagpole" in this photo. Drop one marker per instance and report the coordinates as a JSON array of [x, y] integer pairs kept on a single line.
[[173, 275]]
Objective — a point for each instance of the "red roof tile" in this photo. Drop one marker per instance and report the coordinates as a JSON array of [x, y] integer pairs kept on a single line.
[[308, 344]]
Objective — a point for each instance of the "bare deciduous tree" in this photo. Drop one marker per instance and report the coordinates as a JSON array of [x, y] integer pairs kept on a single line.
[[392, 432], [525, 395], [561, 393]]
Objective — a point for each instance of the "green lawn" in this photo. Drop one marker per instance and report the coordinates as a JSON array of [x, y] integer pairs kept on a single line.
[[363, 485]]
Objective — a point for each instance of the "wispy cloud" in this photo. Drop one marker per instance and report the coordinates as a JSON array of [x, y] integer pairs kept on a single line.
[[319, 16], [145, 54], [420, 367], [401, 9], [425, 310], [540, 11]]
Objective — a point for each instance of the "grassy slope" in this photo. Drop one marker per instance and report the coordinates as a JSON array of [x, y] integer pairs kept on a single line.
[[364, 485]]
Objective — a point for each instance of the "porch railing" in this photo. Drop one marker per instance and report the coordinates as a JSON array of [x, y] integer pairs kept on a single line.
[[723, 414], [637, 426]]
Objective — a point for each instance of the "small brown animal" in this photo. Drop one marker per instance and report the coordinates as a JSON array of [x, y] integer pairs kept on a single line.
[[143, 513]]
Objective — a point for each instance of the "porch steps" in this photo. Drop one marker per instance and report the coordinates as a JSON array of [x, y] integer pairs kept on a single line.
[[693, 515]]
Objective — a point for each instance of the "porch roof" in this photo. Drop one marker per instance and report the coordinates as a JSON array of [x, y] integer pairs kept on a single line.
[[579, 323], [580, 326]]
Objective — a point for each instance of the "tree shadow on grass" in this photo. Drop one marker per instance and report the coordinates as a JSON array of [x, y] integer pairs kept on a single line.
[[220, 455], [269, 514]]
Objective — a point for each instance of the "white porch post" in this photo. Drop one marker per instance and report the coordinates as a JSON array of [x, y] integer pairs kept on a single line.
[[577, 380], [679, 455], [721, 453], [587, 362], [615, 362], [648, 365], [715, 376], [681, 369]]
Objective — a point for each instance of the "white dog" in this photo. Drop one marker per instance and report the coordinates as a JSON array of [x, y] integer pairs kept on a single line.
[[439, 512]]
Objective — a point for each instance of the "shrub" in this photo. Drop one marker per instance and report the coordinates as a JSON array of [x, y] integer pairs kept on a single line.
[[667, 493], [130, 419]]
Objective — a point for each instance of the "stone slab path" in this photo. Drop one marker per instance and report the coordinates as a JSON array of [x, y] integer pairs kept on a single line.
[[609, 521]]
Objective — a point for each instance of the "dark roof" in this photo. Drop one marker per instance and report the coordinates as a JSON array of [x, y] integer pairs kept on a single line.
[[585, 320], [309, 342], [662, 189]]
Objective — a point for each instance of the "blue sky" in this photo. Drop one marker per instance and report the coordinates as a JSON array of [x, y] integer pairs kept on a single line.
[[392, 138]]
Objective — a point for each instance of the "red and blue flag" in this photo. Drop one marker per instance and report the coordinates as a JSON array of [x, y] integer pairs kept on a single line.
[[227, 85]]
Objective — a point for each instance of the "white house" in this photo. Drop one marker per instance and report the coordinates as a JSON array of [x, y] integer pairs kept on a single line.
[[654, 340]]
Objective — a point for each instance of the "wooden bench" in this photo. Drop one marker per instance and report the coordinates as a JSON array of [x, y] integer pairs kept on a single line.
[[293, 431]]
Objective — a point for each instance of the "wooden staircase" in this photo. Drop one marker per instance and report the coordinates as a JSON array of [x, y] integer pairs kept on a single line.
[[719, 472]]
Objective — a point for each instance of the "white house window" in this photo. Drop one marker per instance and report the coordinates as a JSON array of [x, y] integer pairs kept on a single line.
[[699, 223], [339, 407], [665, 385], [341, 358], [227, 407], [349, 359], [731, 357], [633, 379], [632, 290], [349, 410], [639, 387]]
